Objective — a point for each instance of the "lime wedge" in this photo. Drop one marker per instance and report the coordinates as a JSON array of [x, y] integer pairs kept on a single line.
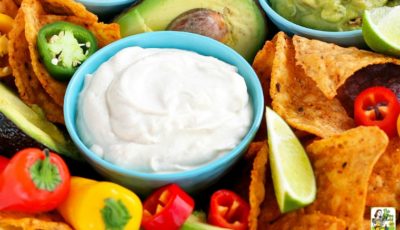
[[381, 30], [292, 173]]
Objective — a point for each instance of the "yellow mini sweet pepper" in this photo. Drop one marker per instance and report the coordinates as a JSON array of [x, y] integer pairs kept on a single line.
[[101, 205], [6, 23]]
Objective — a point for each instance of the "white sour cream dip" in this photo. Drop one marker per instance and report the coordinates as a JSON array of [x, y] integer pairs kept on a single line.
[[163, 110]]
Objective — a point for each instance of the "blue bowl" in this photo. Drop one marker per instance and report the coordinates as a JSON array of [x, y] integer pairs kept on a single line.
[[106, 8], [343, 38], [191, 180]]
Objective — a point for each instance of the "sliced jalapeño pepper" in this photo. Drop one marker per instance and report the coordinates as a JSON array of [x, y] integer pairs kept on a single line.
[[63, 46]]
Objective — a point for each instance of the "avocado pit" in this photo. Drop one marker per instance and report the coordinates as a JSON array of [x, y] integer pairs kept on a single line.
[[204, 22]]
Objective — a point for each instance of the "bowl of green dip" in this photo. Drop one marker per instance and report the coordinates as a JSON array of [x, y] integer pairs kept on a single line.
[[336, 21]]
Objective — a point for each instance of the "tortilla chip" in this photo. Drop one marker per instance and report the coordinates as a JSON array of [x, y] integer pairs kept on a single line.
[[330, 65], [256, 190], [19, 59], [301, 221], [68, 8], [8, 7], [366, 225], [342, 166], [54, 88], [105, 33], [29, 88], [23, 221], [253, 149], [18, 2], [297, 99], [384, 183], [263, 66], [263, 205], [269, 209]]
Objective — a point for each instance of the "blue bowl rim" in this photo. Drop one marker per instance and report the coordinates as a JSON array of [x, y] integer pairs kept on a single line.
[[109, 3], [313, 32], [174, 176]]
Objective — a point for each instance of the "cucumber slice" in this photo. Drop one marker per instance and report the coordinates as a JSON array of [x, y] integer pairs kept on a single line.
[[198, 221], [22, 126]]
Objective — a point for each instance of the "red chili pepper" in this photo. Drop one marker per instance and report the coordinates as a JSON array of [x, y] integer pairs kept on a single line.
[[167, 208], [228, 210], [377, 106], [3, 163], [34, 181]]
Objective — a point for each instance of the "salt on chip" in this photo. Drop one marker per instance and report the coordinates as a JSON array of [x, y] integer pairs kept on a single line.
[[29, 88], [342, 166], [300, 221], [384, 183], [330, 65], [36, 17], [24, 221], [256, 189], [298, 100]]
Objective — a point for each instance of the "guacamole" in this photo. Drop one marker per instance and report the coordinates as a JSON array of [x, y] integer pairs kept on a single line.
[[330, 15]]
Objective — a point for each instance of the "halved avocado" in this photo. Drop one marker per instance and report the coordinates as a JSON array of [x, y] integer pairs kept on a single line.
[[22, 127], [242, 20]]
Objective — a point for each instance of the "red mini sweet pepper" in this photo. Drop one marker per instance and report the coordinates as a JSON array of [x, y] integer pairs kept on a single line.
[[34, 181], [167, 208], [3, 163], [228, 210], [377, 106]]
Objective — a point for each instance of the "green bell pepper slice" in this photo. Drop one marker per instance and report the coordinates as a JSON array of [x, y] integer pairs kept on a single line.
[[63, 47]]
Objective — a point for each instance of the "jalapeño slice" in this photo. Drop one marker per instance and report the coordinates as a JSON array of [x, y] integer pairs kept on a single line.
[[63, 47]]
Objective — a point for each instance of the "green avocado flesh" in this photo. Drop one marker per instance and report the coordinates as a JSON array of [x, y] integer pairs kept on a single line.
[[22, 127], [329, 15], [247, 26]]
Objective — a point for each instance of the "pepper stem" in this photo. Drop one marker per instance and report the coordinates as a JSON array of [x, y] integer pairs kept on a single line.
[[44, 174], [115, 214]]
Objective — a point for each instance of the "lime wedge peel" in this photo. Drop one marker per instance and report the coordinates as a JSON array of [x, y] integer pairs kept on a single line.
[[381, 30], [292, 173]]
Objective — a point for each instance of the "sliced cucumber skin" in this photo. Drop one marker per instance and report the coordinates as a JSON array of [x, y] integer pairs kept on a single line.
[[197, 221]]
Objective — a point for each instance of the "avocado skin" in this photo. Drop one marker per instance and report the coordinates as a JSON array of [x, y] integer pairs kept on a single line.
[[12, 139]]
